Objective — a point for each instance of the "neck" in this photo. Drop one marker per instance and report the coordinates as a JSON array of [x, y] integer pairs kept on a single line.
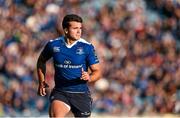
[[69, 41]]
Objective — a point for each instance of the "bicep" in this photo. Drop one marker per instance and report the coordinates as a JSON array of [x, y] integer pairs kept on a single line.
[[95, 72], [95, 67]]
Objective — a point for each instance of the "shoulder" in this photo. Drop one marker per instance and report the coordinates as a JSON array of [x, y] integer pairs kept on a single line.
[[84, 42], [86, 45], [55, 41]]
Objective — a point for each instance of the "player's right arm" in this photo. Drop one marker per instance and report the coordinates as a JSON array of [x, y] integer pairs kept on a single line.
[[41, 69]]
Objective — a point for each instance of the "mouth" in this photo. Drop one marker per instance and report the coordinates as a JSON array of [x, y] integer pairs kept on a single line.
[[78, 35]]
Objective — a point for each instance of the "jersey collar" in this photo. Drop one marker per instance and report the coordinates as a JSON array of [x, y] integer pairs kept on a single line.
[[70, 46]]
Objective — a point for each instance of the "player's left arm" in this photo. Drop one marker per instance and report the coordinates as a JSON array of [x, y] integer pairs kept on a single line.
[[95, 73], [94, 66]]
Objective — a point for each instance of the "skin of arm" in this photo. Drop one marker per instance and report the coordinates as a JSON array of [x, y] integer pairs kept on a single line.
[[41, 71], [95, 73]]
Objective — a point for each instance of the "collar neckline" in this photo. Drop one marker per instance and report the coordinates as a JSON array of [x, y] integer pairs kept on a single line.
[[70, 46]]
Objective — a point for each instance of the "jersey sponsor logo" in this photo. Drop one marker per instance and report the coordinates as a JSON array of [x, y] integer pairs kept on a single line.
[[67, 62], [68, 66], [80, 51], [56, 49]]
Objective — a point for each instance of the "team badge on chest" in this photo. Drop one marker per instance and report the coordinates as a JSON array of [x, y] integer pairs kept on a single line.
[[79, 51]]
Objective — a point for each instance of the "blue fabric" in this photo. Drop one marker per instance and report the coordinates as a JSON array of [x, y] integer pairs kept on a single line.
[[69, 61]]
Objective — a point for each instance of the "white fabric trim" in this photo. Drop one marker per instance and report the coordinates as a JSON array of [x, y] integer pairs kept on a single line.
[[69, 46], [79, 40], [84, 41]]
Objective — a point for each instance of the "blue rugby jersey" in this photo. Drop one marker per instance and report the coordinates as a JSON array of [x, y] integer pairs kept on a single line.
[[69, 61]]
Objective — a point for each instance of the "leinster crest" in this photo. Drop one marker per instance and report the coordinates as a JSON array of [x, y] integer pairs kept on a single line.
[[79, 51]]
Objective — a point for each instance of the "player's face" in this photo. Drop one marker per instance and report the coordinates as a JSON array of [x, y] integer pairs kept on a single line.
[[74, 30]]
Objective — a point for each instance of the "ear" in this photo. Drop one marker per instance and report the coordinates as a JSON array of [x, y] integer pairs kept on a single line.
[[65, 30]]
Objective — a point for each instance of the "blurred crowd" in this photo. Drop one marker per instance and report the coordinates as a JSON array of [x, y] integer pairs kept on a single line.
[[137, 42]]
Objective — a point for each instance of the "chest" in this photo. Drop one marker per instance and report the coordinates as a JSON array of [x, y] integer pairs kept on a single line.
[[74, 55]]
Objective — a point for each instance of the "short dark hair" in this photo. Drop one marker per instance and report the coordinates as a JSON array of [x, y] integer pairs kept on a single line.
[[70, 17]]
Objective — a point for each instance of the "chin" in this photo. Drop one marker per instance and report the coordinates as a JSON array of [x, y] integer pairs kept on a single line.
[[77, 38]]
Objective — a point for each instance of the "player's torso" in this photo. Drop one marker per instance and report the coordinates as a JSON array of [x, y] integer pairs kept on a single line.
[[69, 57], [69, 61]]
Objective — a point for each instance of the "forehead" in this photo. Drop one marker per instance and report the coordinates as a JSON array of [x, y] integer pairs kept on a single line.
[[75, 24]]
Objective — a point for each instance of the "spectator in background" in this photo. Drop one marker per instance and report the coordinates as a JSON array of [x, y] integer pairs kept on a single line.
[[137, 41]]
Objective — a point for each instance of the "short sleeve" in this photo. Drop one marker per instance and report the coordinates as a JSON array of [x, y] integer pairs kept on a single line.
[[47, 51], [92, 56]]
